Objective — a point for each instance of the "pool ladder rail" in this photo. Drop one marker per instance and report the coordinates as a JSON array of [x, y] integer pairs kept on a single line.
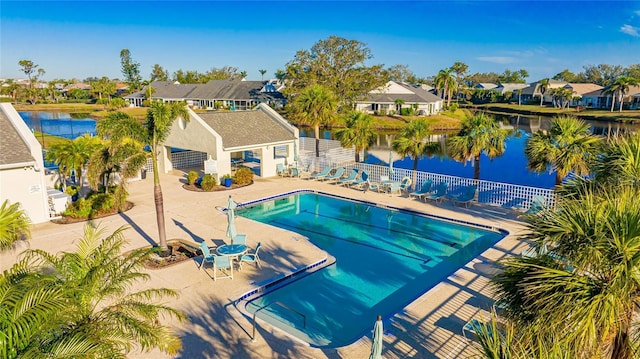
[[253, 329]]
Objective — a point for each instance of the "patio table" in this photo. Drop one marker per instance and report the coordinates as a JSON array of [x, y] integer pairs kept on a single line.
[[232, 250]]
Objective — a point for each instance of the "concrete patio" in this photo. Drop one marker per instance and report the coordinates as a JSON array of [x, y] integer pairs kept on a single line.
[[430, 327]]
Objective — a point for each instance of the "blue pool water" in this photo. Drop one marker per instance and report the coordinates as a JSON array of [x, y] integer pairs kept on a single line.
[[385, 259], [59, 124]]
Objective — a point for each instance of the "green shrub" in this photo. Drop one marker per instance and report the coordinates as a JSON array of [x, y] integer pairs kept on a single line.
[[95, 204], [192, 176], [71, 190], [208, 182], [407, 111], [243, 176], [453, 107]]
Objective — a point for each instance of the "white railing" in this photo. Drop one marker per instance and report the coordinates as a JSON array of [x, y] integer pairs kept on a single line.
[[182, 159], [492, 193]]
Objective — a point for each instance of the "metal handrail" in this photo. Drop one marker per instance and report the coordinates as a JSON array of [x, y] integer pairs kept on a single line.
[[253, 330]]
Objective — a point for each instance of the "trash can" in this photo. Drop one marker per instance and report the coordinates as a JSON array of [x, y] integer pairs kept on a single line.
[[143, 174]]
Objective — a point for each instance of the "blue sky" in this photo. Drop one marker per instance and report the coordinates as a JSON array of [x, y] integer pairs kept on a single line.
[[84, 38]]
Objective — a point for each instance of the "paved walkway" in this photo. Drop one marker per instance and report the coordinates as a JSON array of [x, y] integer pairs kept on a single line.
[[430, 327]]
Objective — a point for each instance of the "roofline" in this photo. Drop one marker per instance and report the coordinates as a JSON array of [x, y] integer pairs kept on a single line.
[[259, 145], [18, 165]]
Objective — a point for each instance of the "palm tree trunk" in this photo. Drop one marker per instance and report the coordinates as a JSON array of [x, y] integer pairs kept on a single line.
[[558, 179], [621, 346], [358, 154], [159, 202], [476, 168], [621, 101], [414, 177], [316, 130], [613, 102]]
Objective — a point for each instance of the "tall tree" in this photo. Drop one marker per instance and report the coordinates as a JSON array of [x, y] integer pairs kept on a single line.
[[130, 70], [602, 74], [619, 88], [480, 134], [262, 72], [400, 73], [33, 73], [567, 147], [153, 133], [543, 86], [446, 83], [509, 76], [358, 132], [337, 64], [315, 106], [413, 141], [158, 73], [103, 86]]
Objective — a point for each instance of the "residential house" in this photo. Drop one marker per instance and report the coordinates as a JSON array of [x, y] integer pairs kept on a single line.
[[384, 99], [510, 87], [22, 172], [599, 99], [579, 90], [229, 94], [533, 90], [485, 86]]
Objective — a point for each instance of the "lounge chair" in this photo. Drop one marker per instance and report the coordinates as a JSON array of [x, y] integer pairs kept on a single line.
[[424, 190], [294, 172], [321, 175], [206, 255], [467, 196], [405, 184], [440, 192], [251, 257], [375, 186], [352, 178], [335, 176], [282, 172], [224, 264], [537, 204], [361, 182]]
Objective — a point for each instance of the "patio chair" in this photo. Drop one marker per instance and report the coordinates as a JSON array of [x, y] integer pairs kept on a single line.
[[206, 254], [222, 263], [537, 204], [467, 196], [394, 188], [335, 176], [321, 175], [405, 184], [237, 238], [251, 257], [361, 182], [294, 172], [352, 177], [375, 186], [282, 172], [425, 189], [440, 192]]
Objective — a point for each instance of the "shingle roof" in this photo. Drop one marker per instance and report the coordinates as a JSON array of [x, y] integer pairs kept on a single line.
[[13, 149], [212, 90], [413, 95], [581, 88], [246, 128]]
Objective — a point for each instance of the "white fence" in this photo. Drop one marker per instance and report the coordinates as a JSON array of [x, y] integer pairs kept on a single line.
[[492, 193], [182, 159]]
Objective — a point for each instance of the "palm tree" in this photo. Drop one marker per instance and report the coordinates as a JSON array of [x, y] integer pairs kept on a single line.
[[399, 102], [582, 295], [315, 105], [619, 161], [262, 72], [413, 141], [543, 86], [78, 153], [619, 87], [104, 310], [446, 82], [14, 224], [148, 93], [480, 134], [359, 132], [153, 133], [60, 153], [567, 147]]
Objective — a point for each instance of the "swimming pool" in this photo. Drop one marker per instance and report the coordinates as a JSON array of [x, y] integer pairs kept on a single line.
[[385, 259]]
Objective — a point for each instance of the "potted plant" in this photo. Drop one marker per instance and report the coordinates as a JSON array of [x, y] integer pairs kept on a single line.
[[73, 192], [227, 180]]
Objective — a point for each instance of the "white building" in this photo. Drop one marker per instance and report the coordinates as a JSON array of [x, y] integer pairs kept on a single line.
[[383, 100]]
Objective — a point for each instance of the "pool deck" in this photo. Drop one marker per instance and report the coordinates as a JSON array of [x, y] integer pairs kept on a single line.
[[430, 327]]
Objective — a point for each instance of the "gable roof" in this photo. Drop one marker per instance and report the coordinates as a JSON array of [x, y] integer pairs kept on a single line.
[[13, 149], [248, 128], [486, 85], [582, 88], [400, 90], [212, 90], [633, 92]]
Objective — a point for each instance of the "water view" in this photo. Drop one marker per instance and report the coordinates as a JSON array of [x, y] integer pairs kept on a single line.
[[511, 167], [59, 124]]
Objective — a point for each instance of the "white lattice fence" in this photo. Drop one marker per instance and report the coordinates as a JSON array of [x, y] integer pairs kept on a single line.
[[182, 159], [492, 193]]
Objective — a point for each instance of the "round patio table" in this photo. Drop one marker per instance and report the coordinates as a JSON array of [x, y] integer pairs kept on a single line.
[[232, 250]]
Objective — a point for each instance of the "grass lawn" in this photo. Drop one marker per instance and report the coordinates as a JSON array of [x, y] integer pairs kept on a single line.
[[586, 113], [47, 140]]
